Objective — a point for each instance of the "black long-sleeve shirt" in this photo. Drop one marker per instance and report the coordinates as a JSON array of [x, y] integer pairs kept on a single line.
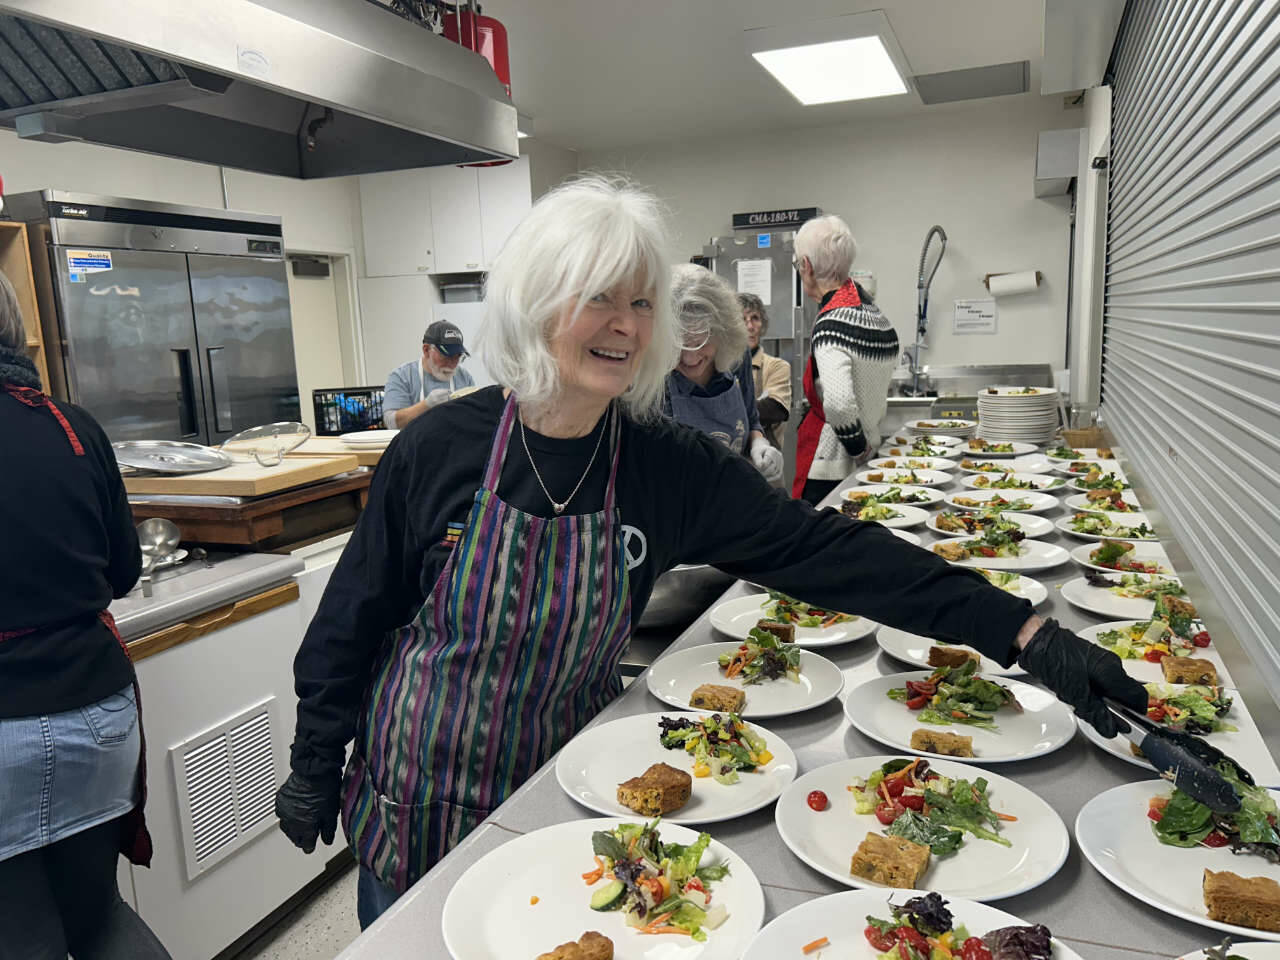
[[684, 498], [69, 547]]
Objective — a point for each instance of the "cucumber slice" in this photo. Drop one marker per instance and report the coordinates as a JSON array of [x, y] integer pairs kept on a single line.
[[608, 897]]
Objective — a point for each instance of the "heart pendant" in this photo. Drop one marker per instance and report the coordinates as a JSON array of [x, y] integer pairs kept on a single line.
[[558, 507]]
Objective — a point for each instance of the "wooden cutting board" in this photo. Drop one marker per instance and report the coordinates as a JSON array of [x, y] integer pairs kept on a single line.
[[332, 446], [245, 479]]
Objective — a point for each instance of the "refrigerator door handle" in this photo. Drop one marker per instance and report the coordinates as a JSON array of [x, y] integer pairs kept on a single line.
[[188, 421], [220, 391]]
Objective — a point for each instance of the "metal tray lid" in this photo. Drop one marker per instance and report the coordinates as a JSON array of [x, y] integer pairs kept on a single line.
[[169, 456], [268, 443]]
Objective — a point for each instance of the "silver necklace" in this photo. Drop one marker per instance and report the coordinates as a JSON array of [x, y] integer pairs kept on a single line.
[[559, 507]]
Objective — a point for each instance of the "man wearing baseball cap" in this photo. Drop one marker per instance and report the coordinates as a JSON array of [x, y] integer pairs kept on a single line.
[[415, 387]]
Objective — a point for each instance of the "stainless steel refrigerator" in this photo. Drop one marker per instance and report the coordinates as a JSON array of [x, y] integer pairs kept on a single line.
[[165, 322]]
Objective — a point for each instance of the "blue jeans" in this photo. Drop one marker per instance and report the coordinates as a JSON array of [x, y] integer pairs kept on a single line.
[[373, 897]]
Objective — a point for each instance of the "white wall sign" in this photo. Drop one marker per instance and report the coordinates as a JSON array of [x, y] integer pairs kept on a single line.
[[974, 316], [756, 276]]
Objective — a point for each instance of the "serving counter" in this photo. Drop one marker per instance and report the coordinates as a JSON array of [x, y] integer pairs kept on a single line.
[[1078, 905]]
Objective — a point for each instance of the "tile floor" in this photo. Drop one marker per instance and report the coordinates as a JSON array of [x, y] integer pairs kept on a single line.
[[319, 929]]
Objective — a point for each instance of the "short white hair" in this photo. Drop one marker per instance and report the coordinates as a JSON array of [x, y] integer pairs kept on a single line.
[[828, 243], [700, 301], [583, 238], [13, 334]]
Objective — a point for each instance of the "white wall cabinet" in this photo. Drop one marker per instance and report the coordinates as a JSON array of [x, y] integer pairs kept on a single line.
[[394, 314], [506, 195], [455, 219], [395, 214]]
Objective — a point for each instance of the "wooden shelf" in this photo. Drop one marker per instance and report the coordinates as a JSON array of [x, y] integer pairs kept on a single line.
[[15, 263]]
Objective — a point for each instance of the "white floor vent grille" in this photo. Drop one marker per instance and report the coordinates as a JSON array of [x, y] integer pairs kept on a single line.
[[226, 779]]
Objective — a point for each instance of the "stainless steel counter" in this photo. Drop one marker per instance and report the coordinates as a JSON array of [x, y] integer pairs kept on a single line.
[[1096, 918], [185, 591]]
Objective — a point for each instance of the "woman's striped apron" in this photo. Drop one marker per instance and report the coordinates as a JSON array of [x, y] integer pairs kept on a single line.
[[514, 650]]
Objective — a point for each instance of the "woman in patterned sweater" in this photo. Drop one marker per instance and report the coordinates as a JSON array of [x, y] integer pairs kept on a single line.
[[853, 351]]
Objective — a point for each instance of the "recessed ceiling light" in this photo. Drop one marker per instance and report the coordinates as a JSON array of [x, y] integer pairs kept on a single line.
[[856, 69]]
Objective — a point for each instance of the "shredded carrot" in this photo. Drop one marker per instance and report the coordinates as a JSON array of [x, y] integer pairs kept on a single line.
[[831, 619], [655, 930], [909, 768], [533, 901], [1004, 816], [656, 922], [631, 845], [591, 876], [815, 945], [884, 792]]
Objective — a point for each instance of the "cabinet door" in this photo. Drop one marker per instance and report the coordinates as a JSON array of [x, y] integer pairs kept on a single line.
[[395, 213], [505, 197], [455, 221], [469, 318]]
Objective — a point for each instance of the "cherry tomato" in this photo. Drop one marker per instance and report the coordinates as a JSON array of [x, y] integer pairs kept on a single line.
[[1201, 639], [1154, 814], [987, 551], [817, 800], [916, 703], [1215, 839], [1156, 713], [887, 813], [1154, 656], [975, 949], [895, 786], [1271, 820], [912, 936], [879, 940], [912, 802]]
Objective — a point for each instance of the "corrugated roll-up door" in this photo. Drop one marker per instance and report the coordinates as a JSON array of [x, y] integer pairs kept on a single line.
[[1191, 353]]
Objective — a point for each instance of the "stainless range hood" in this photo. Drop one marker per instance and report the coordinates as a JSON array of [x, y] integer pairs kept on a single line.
[[297, 88]]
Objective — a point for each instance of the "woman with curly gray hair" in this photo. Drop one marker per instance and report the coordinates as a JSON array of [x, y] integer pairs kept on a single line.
[[711, 389]]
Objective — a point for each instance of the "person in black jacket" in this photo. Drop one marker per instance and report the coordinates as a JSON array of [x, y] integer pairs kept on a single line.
[[475, 621], [70, 735]]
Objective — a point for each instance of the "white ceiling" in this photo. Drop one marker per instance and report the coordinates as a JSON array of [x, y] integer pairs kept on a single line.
[[610, 73]]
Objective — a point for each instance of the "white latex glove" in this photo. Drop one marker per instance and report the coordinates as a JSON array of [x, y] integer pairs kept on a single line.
[[767, 459], [867, 455], [436, 397]]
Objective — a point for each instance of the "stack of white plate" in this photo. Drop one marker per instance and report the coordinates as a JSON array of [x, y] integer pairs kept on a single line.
[[1010, 413], [364, 439], [944, 425]]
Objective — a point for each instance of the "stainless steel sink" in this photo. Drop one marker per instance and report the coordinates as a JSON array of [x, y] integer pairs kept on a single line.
[[967, 380]]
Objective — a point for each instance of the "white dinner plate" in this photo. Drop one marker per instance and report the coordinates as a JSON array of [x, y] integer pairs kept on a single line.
[[1006, 465], [1020, 449], [1074, 483], [1115, 836], [906, 463], [1039, 502], [1244, 949], [1086, 453], [1018, 395], [1145, 672], [922, 478], [1044, 724], [914, 649], [979, 870], [1152, 552], [841, 918], [593, 763], [935, 496], [911, 516], [1064, 467], [1100, 600], [736, 617], [527, 896], [1244, 745], [1032, 555], [1038, 482], [368, 438], [947, 426], [674, 676], [1133, 520], [1080, 501], [904, 438], [906, 535], [1028, 523]]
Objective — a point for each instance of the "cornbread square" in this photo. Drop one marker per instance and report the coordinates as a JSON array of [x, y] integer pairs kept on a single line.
[[875, 477], [1247, 901], [592, 946], [947, 744], [785, 632], [660, 789], [892, 861], [951, 550], [952, 656], [714, 696], [1189, 670]]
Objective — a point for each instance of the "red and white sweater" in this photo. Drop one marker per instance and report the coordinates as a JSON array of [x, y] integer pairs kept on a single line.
[[855, 350]]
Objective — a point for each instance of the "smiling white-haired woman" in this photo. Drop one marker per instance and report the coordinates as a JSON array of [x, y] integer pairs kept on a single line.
[[853, 351], [476, 618], [711, 388]]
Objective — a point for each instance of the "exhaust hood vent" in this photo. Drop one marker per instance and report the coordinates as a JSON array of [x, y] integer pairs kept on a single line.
[[975, 83], [287, 87]]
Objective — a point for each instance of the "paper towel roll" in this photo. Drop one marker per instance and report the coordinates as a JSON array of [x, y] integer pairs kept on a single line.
[[1008, 284]]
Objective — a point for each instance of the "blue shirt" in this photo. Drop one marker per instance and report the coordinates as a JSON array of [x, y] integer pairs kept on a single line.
[[405, 388]]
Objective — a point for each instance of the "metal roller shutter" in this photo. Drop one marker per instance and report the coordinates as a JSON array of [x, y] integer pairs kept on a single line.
[[1191, 344]]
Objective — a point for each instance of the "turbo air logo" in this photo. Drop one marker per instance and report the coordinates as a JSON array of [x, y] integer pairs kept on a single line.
[[74, 212]]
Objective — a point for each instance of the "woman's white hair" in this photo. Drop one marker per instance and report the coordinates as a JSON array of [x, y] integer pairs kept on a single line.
[[583, 238], [702, 301], [828, 243], [13, 334]]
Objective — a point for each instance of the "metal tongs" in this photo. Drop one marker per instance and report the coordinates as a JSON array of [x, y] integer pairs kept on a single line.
[[1184, 759]]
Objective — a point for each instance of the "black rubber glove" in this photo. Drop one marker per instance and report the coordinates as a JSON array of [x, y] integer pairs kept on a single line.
[[1081, 674], [307, 809]]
